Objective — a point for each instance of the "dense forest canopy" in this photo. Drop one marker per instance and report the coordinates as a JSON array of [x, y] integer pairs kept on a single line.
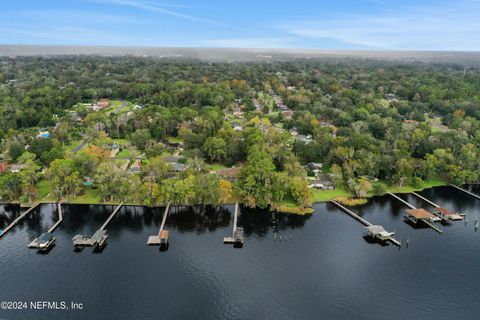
[[398, 122]]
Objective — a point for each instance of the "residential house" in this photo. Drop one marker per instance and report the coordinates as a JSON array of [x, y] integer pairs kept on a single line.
[[17, 168], [323, 182], [236, 126], [103, 103], [314, 167], [304, 138], [230, 174]]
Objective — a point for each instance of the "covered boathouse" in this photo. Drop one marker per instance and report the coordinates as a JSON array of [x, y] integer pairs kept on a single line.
[[378, 233]]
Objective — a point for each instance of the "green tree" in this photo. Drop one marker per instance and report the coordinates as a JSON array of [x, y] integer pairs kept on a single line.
[[64, 180], [256, 178], [215, 149]]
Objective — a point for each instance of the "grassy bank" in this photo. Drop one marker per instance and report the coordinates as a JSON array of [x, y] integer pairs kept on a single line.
[[91, 197], [328, 195]]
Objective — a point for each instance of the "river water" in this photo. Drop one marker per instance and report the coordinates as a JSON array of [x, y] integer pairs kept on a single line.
[[321, 269]]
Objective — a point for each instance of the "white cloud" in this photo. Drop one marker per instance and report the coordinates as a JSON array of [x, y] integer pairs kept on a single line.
[[158, 8], [455, 27]]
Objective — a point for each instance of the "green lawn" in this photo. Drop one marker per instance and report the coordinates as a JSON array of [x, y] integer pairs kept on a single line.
[[125, 153], [43, 188], [327, 195], [175, 140], [121, 142], [90, 197], [427, 184], [216, 167]]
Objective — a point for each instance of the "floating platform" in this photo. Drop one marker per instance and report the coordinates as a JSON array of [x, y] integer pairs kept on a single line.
[[43, 243]]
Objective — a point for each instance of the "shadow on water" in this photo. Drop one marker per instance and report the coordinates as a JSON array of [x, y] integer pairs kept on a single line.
[[323, 271], [259, 222]]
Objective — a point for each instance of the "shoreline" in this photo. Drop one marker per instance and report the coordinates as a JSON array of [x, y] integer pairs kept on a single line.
[[286, 207]]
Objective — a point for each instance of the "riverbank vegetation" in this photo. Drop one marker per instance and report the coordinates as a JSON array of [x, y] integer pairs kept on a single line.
[[151, 131]]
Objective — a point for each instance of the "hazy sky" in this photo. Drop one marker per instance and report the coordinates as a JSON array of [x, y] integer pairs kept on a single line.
[[339, 24]]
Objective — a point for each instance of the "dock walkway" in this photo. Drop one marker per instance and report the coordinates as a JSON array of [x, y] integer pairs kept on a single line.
[[99, 237], [466, 191], [433, 204], [403, 201], [372, 230], [23, 215], [60, 218], [162, 237], [237, 237]]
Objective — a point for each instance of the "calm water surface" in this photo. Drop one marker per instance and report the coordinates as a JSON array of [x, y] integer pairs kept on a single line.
[[324, 270]]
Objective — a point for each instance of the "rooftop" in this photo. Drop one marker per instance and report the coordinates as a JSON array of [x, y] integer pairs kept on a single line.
[[420, 214]]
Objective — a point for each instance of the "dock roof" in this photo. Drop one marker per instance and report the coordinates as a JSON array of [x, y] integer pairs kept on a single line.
[[420, 214], [444, 211]]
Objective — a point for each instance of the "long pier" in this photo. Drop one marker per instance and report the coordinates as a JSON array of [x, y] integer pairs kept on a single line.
[[60, 218], [99, 237], [466, 191], [403, 201], [433, 204], [111, 216], [23, 215], [237, 233], [367, 224], [352, 214], [162, 237]]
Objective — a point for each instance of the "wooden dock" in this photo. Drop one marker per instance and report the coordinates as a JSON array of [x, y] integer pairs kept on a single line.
[[23, 215], [433, 204], [446, 215], [99, 237], [374, 231], [403, 201], [45, 240], [237, 237], [60, 218], [163, 235], [111, 216], [427, 220], [466, 191]]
